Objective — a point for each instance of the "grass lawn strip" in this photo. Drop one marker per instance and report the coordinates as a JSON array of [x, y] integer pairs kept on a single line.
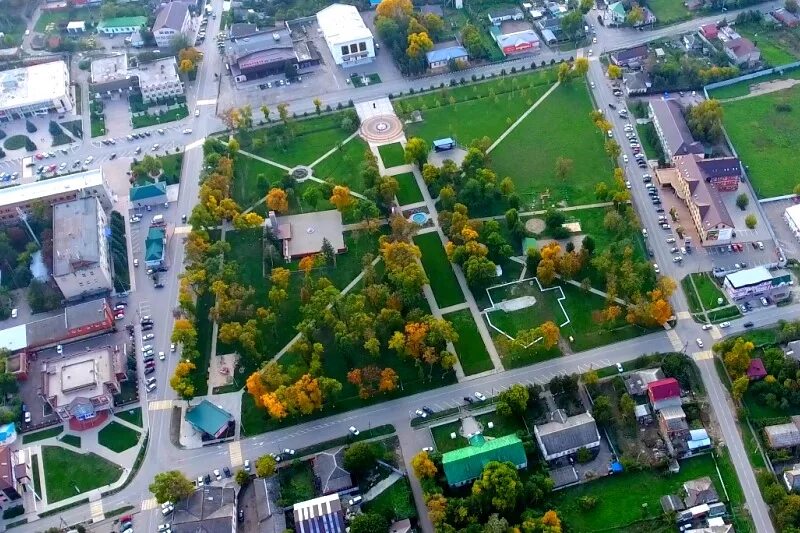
[[35, 473], [409, 192], [766, 138], [312, 138], [441, 437], [117, 437], [134, 416], [691, 295], [443, 280], [470, 347], [708, 291], [65, 471], [669, 11], [392, 155], [396, 502], [171, 115], [533, 171], [27, 438], [620, 497], [72, 440]]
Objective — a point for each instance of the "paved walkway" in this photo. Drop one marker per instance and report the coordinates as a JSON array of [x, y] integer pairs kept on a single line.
[[522, 117], [543, 211], [332, 150], [265, 160], [381, 486]]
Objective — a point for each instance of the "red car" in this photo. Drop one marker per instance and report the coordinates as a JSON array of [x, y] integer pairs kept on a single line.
[[39, 156]]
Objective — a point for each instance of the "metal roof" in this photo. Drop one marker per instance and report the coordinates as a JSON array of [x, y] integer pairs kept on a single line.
[[122, 22], [446, 54], [208, 418], [342, 23], [749, 276], [76, 240], [151, 190], [465, 464]]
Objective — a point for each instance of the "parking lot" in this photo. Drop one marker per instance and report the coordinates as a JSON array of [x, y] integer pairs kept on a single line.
[[786, 240]]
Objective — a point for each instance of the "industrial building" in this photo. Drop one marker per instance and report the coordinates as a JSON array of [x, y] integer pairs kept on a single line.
[[91, 183], [34, 90], [792, 217], [82, 386], [81, 265], [349, 40]]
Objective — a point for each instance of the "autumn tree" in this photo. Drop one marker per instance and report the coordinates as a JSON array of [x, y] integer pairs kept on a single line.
[[550, 334], [395, 9], [499, 486], [418, 44], [277, 200], [564, 166], [423, 467], [171, 486], [737, 358], [581, 66], [614, 72], [265, 465], [317, 105], [181, 380], [739, 387], [635, 16], [416, 151], [705, 120], [546, 271], [437, 508], [341, 198]]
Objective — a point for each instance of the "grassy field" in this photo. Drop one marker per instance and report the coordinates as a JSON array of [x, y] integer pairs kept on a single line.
[[501, 425], [409, 192], [297, 483], [251, 180], [512, 322], [171, 115], [117, 437], [766, 138], [342, 166], [395, 503], [707, 290], [439, 270], [470, 347], [667, 11], [533, 170], [27, 438], [98, 126], [488, 105], [392, 155], [441, 437], [72, 440], [134, 416], [313, 137], [778, 46], [620, 497], [67, 473]]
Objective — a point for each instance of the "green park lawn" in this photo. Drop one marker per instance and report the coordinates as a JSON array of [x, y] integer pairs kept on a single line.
[[766, 138], [27, 438], [442, 440], [313, 138], [512, 322], [117, 437], [342, 167], [528, 155], [620, 497], [252, 179], [392, 155], [778, 46], [153, 119], [501, 425], [473, 111], [443, 280], [72, 440], [409, 192], [470, 347], [65, 471], [667, 11], [708, 291], [134, 416], [395, 503]]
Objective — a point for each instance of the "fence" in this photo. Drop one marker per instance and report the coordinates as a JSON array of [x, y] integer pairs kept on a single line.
[[751, 76]]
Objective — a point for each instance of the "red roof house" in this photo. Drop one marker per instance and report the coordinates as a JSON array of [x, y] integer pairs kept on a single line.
[[709, 30], [756, 370], [664, 393]]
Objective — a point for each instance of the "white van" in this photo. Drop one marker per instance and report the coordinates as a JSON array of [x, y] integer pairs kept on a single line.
[[158, 219]]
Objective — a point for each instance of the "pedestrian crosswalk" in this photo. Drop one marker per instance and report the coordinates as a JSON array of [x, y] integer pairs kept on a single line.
[[96, 510], [159, 405], [684, 315], [235, 451], [149, 503], [703, 355], [675, 340]]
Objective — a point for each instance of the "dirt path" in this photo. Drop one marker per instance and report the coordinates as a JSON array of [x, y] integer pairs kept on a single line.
[[766, 87]]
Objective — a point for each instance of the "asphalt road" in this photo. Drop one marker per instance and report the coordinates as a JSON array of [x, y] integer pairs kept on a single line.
[[158, 303]]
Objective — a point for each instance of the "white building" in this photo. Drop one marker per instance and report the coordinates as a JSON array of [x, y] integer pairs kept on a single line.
[[792, 217], [159, 79], [37, 89], [173, 19], [349, 40], [81, 265], [757, 282]]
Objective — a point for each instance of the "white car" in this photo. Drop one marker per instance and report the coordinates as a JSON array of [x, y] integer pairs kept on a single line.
[[590, 52], [670, 240], [88, 160], [677, 259], [628, 184], [625, 157], [59, 349], [187, 131], [480, 396], [655, 267], [172, 347], [619, 368], [725, 325], [27, 417], [135, 219], [217, 474], [148, 337], [591, 84], [200, 482], [594, 40], [197, 112], [644, 232], [420, 413], [706, 327], [151, 387], [161, 356], [155, 147], [163, 527], [247, 465], [166, 510], [353, 430], [699, 342], [14, 313], [288, 451]]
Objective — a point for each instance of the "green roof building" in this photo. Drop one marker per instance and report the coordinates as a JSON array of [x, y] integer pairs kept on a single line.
[[466, 464], [154, 246], [209, 419], [150, 194], [121, 25]]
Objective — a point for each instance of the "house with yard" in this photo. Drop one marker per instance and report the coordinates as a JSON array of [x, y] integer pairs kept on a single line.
[[709, 31], [742, 52], [636, 82], [790, 20], [616, 13], [564, 435], [328, 469], [756, 370], [672, 424], [208, 508], [514, 38], [441, 57], [466, 464], [781, 436], [791, 478], [643, 414], [756, 282], [698, 440], [670, 503], [699, 491], [172, 20], [500, 15], [213, 422], [114, 26], [636, 382], [632, 58], [664, 393]]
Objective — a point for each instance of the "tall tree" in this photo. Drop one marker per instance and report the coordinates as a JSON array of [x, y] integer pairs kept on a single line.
[[171, 486]]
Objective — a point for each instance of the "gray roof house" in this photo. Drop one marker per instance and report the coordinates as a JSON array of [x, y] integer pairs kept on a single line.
[[636, 82], [565, 435], [631, 57], [699, 491], [173, 19], [671, 503], [332, 476], [209, 509], [742, 51], [791, 478], [673, 132], [783, 435], [636, 382]]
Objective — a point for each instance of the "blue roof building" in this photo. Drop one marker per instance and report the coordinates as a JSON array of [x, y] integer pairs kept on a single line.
[[441, 57]]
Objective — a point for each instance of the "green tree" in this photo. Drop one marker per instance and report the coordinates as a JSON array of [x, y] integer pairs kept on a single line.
[[741, 201], [635, 16], [171, 486], [740, 387], [601, 411], [360, 457], [368, 523], [265, 466], [312, 196], [242, 477], [627, 407], [328, 253], [750, 221], [498, 486], [416, 151], [705, 120], [513, 400], [479, 271]]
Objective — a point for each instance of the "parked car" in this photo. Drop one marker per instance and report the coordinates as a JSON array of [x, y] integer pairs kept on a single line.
[[725, 325], [353, 430], [217, 474], [748, 324], [480, 396]]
